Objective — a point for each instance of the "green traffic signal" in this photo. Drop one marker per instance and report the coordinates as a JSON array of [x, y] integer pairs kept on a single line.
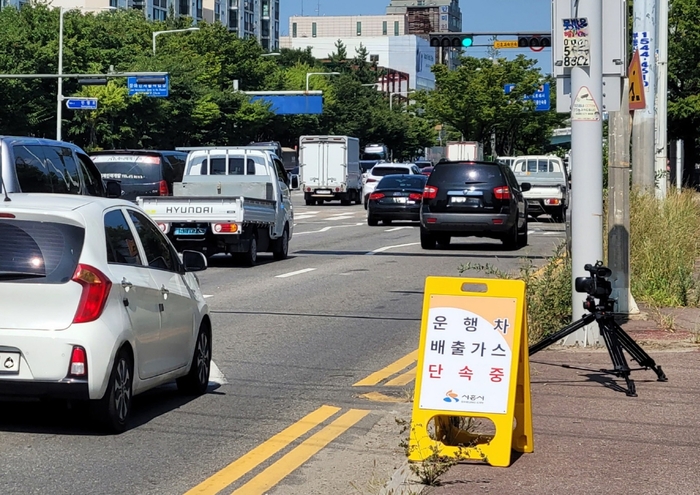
[[467, 42]]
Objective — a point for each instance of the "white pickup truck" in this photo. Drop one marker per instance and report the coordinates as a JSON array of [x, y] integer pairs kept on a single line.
[[549, 193], [230, 200]]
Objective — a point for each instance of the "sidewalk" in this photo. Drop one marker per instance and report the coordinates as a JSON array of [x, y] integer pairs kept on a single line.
[[590, 438]]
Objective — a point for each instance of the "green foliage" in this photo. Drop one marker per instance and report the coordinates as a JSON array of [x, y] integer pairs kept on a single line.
[[664, 244], [202, 107], [548, 292], [472, 101]]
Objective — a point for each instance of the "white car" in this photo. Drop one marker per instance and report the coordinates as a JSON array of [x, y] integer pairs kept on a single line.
[[382, 169], [96, 304]]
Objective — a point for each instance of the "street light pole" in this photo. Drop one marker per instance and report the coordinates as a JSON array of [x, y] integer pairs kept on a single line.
[[156, 33], [59, 97], [309, 74]]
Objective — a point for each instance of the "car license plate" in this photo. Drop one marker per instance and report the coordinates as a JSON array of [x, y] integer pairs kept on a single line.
[[401, 200], [9, 363], [190, 231], [324, 191], [464, 201]]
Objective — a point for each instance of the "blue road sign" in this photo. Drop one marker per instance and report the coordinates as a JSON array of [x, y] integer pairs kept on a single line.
[[540, 97], [81, 103], [154, 90], [293, 104]]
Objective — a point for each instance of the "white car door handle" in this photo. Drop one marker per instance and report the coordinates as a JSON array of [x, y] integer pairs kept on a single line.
[[163, 290], [126, 284]]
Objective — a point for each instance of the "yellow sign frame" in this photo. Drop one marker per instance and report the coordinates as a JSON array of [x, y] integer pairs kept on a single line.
[[493, 449]]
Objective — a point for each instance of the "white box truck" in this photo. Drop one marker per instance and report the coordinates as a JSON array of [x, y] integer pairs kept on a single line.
[[329, 169], [458, 151]]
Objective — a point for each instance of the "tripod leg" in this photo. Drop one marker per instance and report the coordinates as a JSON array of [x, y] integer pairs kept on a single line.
[[621, 368], [549, 340], [637, 353]]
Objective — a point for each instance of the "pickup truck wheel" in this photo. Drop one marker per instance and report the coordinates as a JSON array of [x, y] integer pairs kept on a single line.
[[358, 198], [559, 214], [281, 246], [251, 257], [310, 202]]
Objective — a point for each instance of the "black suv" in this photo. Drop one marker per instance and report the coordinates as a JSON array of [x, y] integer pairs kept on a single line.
[[479, 199], [141, 172]]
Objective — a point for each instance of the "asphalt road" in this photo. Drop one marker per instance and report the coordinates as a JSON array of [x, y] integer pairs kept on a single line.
[[289, 337]]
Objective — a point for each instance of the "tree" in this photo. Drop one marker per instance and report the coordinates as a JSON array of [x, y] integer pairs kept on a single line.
[[472, 100]]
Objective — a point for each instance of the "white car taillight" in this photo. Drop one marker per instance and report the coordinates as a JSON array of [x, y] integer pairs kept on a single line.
[[96, 287]]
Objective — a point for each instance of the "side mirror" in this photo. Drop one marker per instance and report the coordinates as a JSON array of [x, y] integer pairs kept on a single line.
[[525, 186], [114, 189], [194, 261]]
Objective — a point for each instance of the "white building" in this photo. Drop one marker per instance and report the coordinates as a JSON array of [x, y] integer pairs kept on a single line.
[[409, 54], [256, 18]]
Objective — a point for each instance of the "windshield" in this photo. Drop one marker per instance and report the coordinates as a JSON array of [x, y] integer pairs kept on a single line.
[[403, 182], [129, 169], [39, 252]]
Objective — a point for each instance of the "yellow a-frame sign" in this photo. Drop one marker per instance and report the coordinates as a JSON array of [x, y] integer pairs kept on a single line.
[[473, 361]]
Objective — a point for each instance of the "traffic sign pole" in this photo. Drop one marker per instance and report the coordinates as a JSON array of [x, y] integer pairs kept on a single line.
[[586, 151]]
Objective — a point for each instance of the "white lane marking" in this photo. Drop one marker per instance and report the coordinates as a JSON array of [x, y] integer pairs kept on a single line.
[[397, 228], [530, 232], [216, 376], [207, 296], [361, 223], [303, 217], [325, 229], [386, 248], [298, 272], [553, 233]]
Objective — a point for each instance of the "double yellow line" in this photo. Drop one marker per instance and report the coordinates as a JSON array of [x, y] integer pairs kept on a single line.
[[403, 377], [280, 469]]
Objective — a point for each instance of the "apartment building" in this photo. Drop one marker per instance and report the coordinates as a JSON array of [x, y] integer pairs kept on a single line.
[[407, 59], [247, 18], [428, 16], [346, 26]]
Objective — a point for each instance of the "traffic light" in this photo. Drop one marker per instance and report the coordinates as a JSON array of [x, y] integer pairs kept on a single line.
[[451, 40], [538, 41]]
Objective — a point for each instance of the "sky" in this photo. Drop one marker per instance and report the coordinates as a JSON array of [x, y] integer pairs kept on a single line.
[[495, 16]]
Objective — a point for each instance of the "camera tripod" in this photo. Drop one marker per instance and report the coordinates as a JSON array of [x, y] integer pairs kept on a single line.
[[616, 340]]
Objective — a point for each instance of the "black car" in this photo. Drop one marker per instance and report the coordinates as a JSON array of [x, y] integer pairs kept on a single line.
[[141, 172], [396, 197], [473, 199]]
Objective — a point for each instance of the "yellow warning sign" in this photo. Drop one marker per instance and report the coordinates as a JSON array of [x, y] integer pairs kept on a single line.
[[472, 363], [506, 44], [584, 106], [637, 97]]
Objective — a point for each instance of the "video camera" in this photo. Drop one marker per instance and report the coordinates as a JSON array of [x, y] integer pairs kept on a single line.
[[597, 284]]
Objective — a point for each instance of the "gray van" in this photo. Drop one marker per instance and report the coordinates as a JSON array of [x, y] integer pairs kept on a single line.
[[37, 165]]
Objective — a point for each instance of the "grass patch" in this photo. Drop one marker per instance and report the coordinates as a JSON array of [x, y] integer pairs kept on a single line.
[[664, 246], [548, 291]]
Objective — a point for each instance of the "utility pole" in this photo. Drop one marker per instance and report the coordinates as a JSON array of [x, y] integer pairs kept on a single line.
[[661, 168], [643, 135], [584, 38], [619, 133]]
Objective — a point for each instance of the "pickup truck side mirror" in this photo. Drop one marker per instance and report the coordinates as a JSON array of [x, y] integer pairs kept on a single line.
[[525, 186], [194, 261], [114, 189]]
